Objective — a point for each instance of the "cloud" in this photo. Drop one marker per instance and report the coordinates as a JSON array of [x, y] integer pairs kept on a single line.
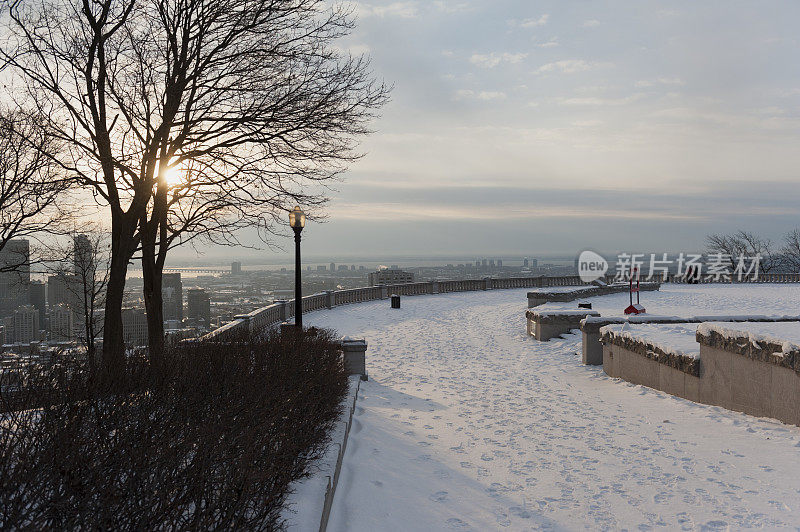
[[492, 60], [552, 43], [395, 9], [645, 83], [451, 7], [534, 22], [591, 23], [569, 66], [466, 94], [599, 102]]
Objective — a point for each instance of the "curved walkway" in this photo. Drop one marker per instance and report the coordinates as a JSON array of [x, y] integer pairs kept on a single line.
[[466, 423]]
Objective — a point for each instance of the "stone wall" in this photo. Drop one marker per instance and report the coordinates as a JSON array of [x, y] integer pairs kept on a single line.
[[731, 372]]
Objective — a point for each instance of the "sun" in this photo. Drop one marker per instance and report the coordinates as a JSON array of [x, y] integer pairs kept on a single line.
[[173, 176]]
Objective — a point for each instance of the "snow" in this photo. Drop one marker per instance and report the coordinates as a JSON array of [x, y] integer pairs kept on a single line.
[[303, 509], [700, 300], [466, 423], [561, 289], [678, 339], [785, 334], [579, 312]]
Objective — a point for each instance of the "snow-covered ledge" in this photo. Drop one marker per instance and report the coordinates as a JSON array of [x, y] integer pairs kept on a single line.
[[546, 324], [540, 296]]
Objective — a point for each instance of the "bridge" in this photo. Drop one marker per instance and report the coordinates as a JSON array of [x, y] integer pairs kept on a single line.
[[186, 270]]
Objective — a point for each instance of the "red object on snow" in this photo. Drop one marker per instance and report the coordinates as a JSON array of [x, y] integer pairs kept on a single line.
[[637, 308]]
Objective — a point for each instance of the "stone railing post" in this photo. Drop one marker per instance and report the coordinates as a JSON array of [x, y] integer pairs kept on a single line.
[[384, 291], [330, 298], [282, 310], [486, 283], [354, 352], [434, 287]]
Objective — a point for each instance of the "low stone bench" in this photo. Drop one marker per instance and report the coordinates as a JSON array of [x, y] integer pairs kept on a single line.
[[564, 294], [546, 324]]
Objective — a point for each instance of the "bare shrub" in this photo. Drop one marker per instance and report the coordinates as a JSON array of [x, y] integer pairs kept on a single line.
[[212, 439]]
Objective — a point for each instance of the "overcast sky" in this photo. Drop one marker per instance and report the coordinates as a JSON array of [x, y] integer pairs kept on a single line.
[[521, 126]]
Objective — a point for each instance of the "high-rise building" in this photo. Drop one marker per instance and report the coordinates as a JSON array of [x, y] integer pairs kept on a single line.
[[499, 263], [26, 324], [64, 289], [352, 267], [236, 268], [16, 275], [62, 323], [484, 263], [491, 263], [389, 277], [333, 266], [198, 306], [82, 257], [172, 293], [535, 263], [134, 327], [37, 297], [525, 262]]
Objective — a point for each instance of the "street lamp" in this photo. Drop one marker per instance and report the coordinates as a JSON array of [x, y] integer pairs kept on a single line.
[[297, 219]]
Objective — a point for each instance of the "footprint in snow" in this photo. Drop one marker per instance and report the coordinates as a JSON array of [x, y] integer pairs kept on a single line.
[[439, 496]]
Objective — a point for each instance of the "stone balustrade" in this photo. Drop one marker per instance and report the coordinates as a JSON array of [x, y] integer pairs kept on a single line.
[[281, 311]]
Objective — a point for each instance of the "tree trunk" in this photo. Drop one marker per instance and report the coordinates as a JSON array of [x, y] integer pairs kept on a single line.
[[122, 247], [154, 303]]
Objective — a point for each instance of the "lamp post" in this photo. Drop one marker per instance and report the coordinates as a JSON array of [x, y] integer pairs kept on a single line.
[[297, 219]]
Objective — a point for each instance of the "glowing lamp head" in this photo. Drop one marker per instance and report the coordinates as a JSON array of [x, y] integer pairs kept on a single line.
[[297, 218]]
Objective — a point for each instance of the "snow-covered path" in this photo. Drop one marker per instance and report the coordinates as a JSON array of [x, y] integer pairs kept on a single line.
[[466, 423]]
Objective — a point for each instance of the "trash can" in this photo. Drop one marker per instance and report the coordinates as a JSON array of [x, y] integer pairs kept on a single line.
[[395, 301]]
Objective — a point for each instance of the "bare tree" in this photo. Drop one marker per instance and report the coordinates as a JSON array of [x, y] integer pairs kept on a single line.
[[29, 182], [790, 253], [82, 266], [264, 106], [743, 244], [247, 99]]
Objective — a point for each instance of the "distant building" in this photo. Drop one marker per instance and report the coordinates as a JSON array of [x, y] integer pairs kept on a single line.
[[525, 262], [362, 268], [37, 296], [321, 268], [15, 256], [62, 323], [333, 266], [342, 267], [82, 258], [484, 263], [499, 263], [64, 289], [491, 263], [236, 267], [172, 290], [535, 263], [134, 327], [352, 267], [390, 276], [26, 324], [198, 306]]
